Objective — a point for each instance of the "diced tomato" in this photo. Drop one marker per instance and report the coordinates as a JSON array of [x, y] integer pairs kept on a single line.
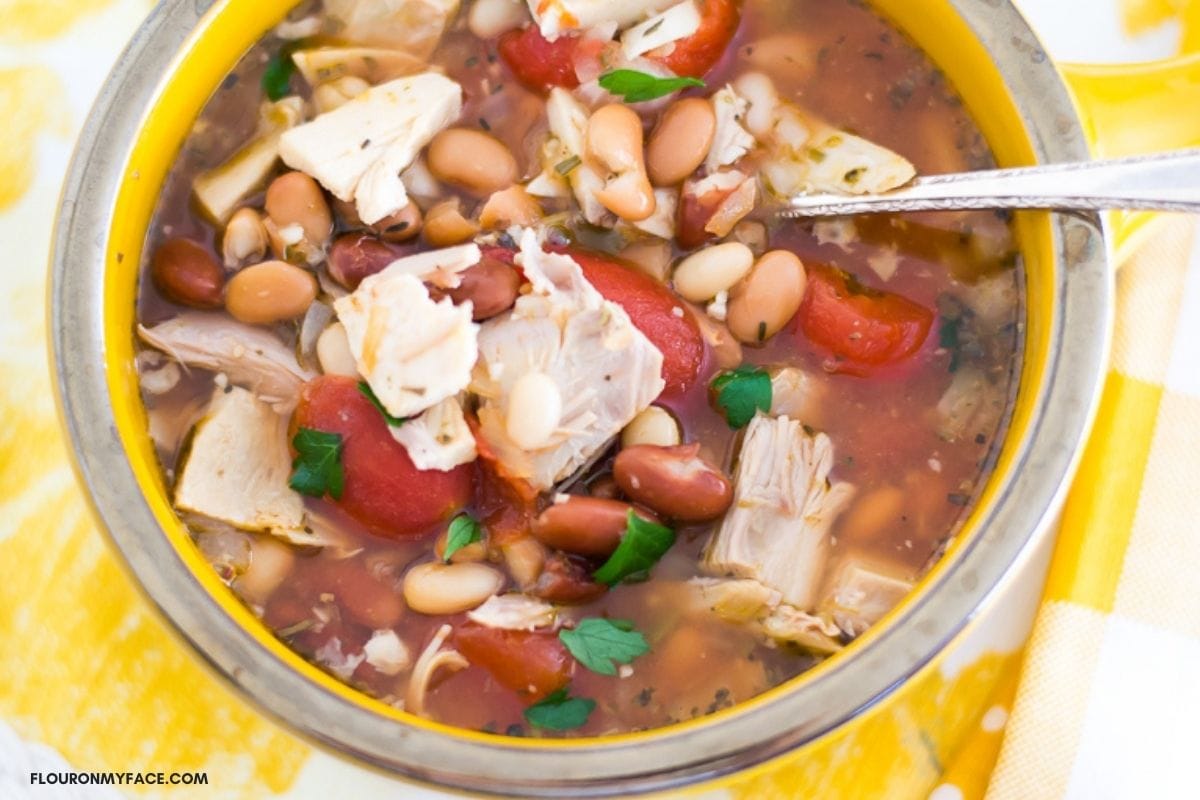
[[694, 213], [862, 327], [532, 664], [537, 63], [698, 53], [655, 311], [383, 488], [505, 504]]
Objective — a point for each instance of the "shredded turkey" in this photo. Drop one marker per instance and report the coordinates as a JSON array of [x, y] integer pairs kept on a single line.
[[736, 600], [555, 17], [432, 659], [861, 593], [412, 350], [777, 530], [789, 624], [438, 439], [731, 140], [250, 357], [358, 150], [606, 371], [238, 466], [514, 612], [413, 26], [387, 652]]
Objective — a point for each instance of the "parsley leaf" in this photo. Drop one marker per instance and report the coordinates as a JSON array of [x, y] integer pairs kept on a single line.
[[559, 712], [643, 544], [317, 468], [464, 530], [601, 644], [369, 393], [741, 392], [277, 77], [637, 87]]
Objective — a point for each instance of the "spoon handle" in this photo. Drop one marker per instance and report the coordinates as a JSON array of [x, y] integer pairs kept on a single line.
[[1160, 182]]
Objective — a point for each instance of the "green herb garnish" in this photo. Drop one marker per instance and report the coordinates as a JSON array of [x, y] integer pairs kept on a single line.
[[565, 166], [369, 393], [317, 468], [464, 530], [643, 544], [560, 712], [277, 77], [742, 392], [637, 87], [601, 644]]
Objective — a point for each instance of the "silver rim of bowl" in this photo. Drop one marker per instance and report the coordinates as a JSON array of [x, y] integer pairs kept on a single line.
[[669, 758]]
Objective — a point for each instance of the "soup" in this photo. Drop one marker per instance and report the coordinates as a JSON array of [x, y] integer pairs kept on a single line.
[[483, 368]]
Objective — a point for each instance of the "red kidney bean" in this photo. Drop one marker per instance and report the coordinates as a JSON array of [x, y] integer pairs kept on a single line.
[[673, 481], [354, 256], [188, 274], [588, 526]]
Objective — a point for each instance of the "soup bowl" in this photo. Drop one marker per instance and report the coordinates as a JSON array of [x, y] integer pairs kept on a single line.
[[907, 691]]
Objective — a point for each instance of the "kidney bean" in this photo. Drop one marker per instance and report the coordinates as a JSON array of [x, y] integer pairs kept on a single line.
[[354, 256], [588, 526], [673, 481], [187, 274], [568, 580], [491, 286]]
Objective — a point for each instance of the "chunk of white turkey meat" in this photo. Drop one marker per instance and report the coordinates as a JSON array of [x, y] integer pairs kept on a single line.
[[777, 530], [568, 121], [731, 140], [861, 592], [514, 612], [238, 466], [438, 439], [220, 190], [738, 599], [358, 150], [797, 394], [387, 652], [555, 17], [677, 22], [971, 405], [249, 356], [604, 369], [414, 352], [414, 26], [662, 222], [787, 623]]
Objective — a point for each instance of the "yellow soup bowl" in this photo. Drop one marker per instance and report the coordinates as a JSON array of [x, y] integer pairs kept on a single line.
[[903, 695]]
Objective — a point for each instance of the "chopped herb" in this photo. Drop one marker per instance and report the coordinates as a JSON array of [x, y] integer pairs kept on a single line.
[[369, 393], [514, 729], [317, 468], [958, 498], [560, 712], [653, 28], [948, 338], [398, 227], [365, 144], [277, 77], [852, 176], [483, 123], [637, 87], [601, 644], [565, 166], [643, 544], [464, 530], [472, 61], [762, 331], [816, 155], [643, 697], [740, 393], [294, 628]]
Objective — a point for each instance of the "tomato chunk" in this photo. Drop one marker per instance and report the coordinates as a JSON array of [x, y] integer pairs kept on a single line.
[[655, 312], [532, 664], [860, 326], [698, 53], [538, 63], [384, 490]]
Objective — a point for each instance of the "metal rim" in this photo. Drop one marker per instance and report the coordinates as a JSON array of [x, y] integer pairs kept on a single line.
[[1063, 413]]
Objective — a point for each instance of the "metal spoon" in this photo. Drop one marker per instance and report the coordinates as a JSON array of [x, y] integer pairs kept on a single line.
[[1161, 182]]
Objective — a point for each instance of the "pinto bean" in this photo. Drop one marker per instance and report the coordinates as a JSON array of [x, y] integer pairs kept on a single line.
[[269, 292], [680, 141], [436, 588], [567, 579], [673, 481], [706, 273], [295, 199], [767, 298], [508, 207], [187, 274], [354, 256], [587, 526], [472, 160], [491, 286]]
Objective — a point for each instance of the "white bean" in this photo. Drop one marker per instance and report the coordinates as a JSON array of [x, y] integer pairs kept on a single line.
[[436, 588], [759, 91], [333, 351], [245, 238], [653, 425], [703, 275], [534, 410], [270, 562], [490, 18]]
